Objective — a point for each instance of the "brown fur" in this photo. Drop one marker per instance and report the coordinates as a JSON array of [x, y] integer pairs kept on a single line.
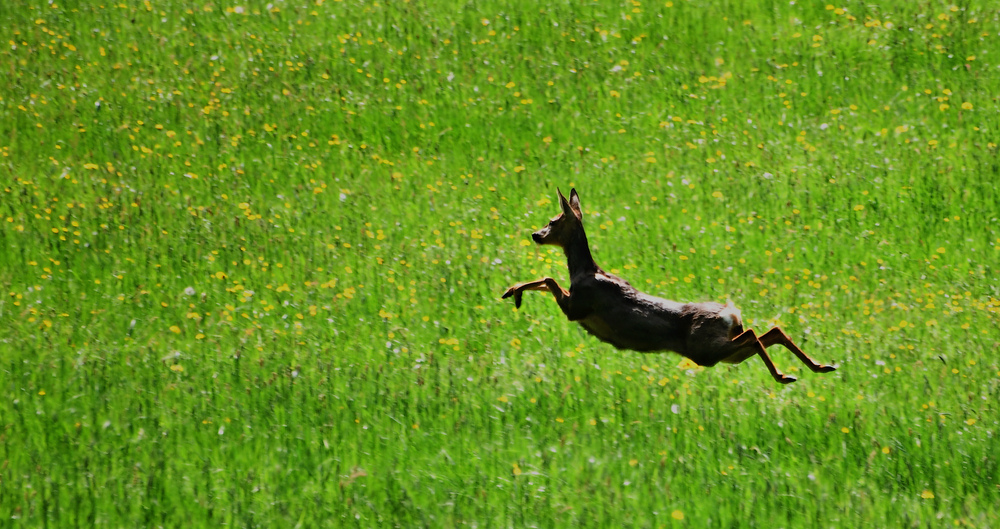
[[615, 312]]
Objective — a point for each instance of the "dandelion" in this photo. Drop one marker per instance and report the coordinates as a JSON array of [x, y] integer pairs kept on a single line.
[[177, 368], [927, 495], [517, 470], [677, 515], [687, 363], [175, 329], [967, 106], [886, 450]]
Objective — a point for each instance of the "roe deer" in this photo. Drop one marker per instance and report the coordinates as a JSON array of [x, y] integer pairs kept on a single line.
[[611, 309]]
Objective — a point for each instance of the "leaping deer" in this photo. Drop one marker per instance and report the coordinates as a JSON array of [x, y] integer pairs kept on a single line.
[[611, 309]]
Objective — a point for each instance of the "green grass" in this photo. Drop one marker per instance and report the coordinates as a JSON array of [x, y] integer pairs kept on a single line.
[[258, 283]]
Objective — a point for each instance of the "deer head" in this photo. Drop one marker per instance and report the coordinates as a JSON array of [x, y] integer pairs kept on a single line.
[[563, 227]]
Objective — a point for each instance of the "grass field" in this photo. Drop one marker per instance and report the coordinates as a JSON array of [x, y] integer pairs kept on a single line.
[[253, 257]]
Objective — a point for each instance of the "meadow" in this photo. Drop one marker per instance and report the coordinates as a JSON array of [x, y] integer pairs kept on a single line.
[[252, 259]]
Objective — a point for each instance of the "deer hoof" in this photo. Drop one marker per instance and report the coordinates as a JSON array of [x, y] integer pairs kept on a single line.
[[825, 369], [786, 379], [513, 291]]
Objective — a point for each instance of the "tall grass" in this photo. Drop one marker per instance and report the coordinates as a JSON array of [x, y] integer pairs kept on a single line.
[[253, 258]]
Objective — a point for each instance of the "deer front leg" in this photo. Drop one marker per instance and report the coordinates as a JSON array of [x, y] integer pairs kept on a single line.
[[574, 306], [518, 289]]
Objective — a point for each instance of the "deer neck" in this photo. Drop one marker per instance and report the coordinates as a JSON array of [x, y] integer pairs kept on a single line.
[[578, 257]]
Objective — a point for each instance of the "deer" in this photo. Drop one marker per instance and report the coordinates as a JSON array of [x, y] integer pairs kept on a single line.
[[615, 312]]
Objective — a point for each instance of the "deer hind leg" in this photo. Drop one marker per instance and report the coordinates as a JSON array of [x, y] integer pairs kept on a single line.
[[746, 345], [778, 336]]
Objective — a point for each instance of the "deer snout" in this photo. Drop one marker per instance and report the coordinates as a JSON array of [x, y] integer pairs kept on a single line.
[[538, 237]]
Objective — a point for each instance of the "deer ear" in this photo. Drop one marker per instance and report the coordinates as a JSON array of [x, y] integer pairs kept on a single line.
[[567, 209], [574, 202]]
